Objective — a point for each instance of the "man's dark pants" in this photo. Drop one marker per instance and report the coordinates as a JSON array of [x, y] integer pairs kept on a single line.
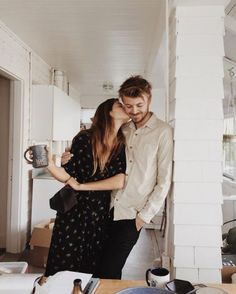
[[122, 237]]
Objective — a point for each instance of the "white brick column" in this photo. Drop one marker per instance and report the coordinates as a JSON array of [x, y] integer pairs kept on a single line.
[[196, 113]]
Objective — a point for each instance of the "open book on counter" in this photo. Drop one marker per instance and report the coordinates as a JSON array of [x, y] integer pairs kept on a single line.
[[60, 283]]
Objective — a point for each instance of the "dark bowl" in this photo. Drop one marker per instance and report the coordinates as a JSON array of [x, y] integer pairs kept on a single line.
[[143, 290], [179, 286]]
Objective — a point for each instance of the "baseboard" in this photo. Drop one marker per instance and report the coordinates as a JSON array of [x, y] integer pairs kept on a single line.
[[2, 253]]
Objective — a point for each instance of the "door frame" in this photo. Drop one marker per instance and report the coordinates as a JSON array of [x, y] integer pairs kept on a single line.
[[15, 163]]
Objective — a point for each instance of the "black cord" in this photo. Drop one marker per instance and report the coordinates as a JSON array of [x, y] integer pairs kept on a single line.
[[232, 220], [231, 9]]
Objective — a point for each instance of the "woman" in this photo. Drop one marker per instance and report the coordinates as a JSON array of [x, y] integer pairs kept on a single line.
[[97, 167]]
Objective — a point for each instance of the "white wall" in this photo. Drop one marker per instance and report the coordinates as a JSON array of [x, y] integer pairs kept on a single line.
[[158, 103], [15, 59], [21, 63], [94, 101]]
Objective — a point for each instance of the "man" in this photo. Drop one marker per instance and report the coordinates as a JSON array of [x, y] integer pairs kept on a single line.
[[149, 148]]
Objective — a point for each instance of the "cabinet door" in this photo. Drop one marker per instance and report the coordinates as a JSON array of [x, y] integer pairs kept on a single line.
[[41, 113], [43, 190], [66, 116], [54, 115]]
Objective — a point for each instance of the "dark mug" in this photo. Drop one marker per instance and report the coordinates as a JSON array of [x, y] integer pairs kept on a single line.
[[39, 156]]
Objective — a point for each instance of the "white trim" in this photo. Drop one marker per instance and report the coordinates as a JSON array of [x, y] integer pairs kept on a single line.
[[230, 6], [13, 242], [230, 24], [200, 2]]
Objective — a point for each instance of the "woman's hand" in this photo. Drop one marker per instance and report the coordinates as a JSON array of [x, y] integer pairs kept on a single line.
[[50, 160], [73, 183], [66, 156]]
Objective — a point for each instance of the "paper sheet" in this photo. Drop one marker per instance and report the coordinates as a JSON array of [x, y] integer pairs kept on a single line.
[[62, 283]]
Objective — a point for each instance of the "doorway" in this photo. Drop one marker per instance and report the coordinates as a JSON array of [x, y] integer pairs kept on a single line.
[[4, 155], [11, 148]]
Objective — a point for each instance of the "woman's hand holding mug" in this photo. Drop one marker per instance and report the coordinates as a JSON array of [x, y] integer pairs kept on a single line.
[[38, 156], [66, 156]]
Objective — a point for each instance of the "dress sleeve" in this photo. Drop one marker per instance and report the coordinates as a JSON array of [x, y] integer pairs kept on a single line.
[[80, 149]]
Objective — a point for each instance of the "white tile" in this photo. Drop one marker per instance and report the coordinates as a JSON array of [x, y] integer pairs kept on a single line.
[[210, 276], [200, 25], [216, 10], [196, 235], [208, 257], [194, 171], [198, 150], [199, 66], [198, 129], [189, 274], [199, 88], [193, 45], [184, 256], [197, 193], [196, 109], [197, 214]]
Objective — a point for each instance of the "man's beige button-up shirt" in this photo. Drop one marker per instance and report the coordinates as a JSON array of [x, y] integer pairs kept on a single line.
[[149, 152]]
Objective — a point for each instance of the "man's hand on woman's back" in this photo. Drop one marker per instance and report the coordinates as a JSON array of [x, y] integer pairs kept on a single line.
[[66, 156]]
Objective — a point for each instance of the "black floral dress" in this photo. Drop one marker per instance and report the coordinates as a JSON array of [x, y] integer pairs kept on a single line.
[[79, 235]]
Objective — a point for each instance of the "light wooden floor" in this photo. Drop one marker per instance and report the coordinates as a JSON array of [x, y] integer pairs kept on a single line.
[[144, 255]]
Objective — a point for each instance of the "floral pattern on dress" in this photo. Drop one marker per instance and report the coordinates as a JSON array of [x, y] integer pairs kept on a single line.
[[80, 234]]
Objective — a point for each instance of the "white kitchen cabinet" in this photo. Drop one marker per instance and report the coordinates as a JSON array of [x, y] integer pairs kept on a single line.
[[43, 190], [54, 115]]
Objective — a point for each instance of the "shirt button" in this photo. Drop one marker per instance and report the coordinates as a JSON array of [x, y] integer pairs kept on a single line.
[[116, 199], [131, 161], [136, 134], [130, 147]]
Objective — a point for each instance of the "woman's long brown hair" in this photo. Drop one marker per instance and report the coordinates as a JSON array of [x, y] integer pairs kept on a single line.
[[101, 129]]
